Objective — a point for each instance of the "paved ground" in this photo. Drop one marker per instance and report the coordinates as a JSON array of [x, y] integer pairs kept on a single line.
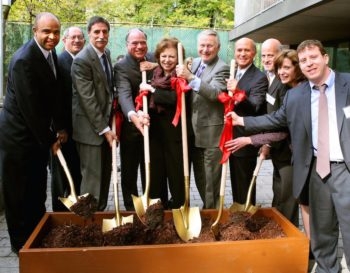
[[9, 261]]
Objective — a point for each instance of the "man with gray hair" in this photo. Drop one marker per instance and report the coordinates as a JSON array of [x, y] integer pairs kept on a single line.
[[208, 80], [74, 41]]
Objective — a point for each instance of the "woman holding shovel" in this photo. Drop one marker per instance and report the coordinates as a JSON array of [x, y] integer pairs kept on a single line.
[[165, 134]]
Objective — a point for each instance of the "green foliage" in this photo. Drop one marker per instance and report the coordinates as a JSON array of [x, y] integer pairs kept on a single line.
[[216, 14]]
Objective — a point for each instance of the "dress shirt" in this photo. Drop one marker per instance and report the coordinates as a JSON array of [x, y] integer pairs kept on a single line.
[[242, 71], [335, 148]]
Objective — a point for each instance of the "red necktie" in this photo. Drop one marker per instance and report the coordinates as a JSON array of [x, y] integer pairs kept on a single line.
[[323, 162]]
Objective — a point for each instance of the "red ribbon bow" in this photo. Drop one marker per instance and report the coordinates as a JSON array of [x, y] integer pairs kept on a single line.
[[227, 133], [180, 86], [138, 99]]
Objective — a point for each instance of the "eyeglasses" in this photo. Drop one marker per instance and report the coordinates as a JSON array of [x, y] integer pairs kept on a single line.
[[77, 37], [136, 43]]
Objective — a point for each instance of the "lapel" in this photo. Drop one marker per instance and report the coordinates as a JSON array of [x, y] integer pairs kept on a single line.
[[341, 89], [41, 59], [195, 65], [273, 88], [306, 107], [97, 66]]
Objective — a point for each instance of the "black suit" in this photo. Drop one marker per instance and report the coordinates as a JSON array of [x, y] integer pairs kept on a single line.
[[32, 105], [242, 163], [59, 181], [329, 198], [127, 79]]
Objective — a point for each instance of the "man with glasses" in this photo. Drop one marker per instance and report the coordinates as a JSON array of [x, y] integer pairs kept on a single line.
[[73, 39], [127, 79]]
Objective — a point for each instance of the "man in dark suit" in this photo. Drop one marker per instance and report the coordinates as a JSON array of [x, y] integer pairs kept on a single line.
[[73, 39], [207, 81], [127, 79], [29, 123], [329, 187], [91, 111], [255, 84], [280, 152]]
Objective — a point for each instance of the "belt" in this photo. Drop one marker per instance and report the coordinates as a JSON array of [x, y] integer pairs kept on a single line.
[[337, 162]]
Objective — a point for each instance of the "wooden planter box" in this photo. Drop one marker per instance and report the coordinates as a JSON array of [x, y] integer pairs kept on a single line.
[[285, 255]]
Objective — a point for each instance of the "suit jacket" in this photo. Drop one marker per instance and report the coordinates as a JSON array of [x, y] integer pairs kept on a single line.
[[92, 97], [65, 61], [255, 84], [207, 112], [296, 114], [32, 102], [127, 80]]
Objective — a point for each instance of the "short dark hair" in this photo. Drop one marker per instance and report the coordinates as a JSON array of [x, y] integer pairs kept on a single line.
[[97, 19], [310, 44]]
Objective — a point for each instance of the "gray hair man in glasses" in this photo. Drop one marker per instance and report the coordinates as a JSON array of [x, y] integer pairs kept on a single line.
[[74, 41]]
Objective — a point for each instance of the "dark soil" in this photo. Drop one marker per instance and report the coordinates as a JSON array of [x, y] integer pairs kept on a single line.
[[241, 226], [85, 207]]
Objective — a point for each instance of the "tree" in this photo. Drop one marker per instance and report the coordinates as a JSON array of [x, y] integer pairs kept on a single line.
[[216, 14]]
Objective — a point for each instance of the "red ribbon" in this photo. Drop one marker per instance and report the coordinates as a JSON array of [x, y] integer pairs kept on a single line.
[[138, 99], [180, 86], [227, 133]]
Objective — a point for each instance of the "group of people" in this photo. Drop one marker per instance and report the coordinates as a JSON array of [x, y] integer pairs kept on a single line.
[[68, 102]]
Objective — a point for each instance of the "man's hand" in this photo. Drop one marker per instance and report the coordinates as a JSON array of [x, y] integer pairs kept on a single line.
[[236, 119], [231, 85], [183, 72], [62, 136], [110, 136], [146, 66], [140, 120]]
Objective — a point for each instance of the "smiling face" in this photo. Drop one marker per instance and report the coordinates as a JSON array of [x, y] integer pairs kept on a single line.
[[137, 44], [287, 72], [74, 40], [313, 64], [208, 48], [47, 31], [244, 52], [98, 36], [168, 59]]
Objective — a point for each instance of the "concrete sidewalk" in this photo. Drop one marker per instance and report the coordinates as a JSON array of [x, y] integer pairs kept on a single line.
[[9, 261]]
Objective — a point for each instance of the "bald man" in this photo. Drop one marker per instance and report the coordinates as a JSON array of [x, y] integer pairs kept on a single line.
[[30, 123], [255, 84]]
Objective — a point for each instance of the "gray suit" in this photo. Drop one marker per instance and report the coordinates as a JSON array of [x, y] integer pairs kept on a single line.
[[92, 102], [207, 122], [329, 198]]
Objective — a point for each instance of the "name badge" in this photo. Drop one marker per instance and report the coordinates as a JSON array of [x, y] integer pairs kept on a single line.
[[270, 99], [347, 111]]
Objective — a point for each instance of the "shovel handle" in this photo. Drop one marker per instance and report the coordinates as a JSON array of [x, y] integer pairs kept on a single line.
[[115, 175], [66, 170]]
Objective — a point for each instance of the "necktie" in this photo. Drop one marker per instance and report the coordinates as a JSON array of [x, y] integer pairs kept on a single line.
[[200, 70], [107, 71], [323, 162], [50, 61], [238, 76]]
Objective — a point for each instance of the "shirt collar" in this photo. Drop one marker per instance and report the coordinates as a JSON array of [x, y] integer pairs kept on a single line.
[[329, 81], [43, 50]]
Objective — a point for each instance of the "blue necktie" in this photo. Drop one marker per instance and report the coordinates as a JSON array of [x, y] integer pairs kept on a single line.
[[200, 70]]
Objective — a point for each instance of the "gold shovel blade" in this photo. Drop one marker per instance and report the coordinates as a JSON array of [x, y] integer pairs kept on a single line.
[[141, 204], [109, 224], [70, 200], [188, 222]]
